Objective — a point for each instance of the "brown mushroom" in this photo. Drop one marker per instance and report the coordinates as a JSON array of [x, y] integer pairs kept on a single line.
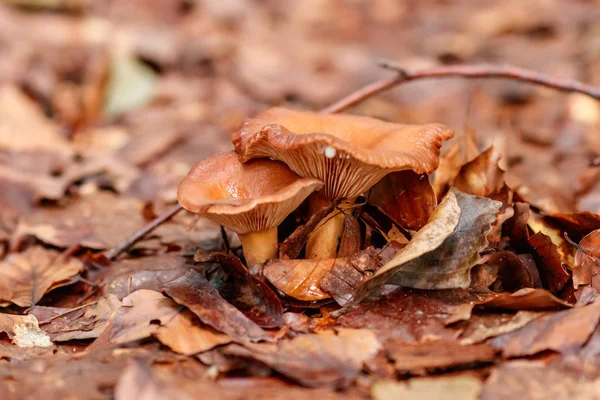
[[251, 199], [348, 153]]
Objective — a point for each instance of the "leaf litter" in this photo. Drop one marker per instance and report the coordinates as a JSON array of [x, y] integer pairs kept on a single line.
[[478, 280]]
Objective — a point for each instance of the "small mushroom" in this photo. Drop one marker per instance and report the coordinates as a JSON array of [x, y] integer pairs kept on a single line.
[[348, 153], [251, 199]]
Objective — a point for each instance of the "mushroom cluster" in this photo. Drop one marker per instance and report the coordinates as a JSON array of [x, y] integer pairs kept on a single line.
[[283, 157]]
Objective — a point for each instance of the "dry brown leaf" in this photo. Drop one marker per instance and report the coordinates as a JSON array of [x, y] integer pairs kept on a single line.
[[484, 326], [351, 239], [23, 126], [24, 330], [347, 274], [526, 299], [86, 323], [442, 253], [419, 358], [300, 279], [185, 335], [562, 331], [481, 176], [586, 267], [129, 275], [460, 387], [407, 197], [141, 314], [413, 315], [552, 272], [536, 380], [97, 221], [26, 277], [325, 359], [194, 291]]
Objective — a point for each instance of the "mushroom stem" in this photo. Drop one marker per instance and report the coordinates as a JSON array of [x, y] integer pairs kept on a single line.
[[324, 240], [259, 246]]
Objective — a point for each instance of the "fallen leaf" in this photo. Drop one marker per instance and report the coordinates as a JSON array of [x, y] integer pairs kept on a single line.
[[460, 387], [86, 323], [442, 253], [513, 272], [582, 222], [553, 274], [419, 358], [137, 382], [407, 197], [463, 150], [526, 299], [484, 326], [586, 268], [141, 314], [185, 335], [481, 176], [131, 85], [89, 222], [26, 277], [328, 358], [412, 315], [24, 127], [536, 380], [300, 279], [246, 292], [346, 275], [561, 331], [24, 330], [194, 291], [129, 275], [350, 241]]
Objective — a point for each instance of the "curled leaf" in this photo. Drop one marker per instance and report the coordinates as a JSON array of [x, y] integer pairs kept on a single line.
[[442, 253]]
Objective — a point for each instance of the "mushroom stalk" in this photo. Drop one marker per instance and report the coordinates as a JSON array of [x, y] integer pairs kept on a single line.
[[323, 242], [259, 247]]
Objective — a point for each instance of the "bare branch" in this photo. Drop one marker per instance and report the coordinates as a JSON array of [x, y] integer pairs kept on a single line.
[[462, 71]]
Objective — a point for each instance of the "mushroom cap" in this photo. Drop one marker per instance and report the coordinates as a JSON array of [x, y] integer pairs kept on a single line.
[[249, 197], [348, 153]]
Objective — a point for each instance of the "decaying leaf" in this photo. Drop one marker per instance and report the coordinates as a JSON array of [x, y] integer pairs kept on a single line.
[[84, 323], [246, 292], [299, 279], [586, 269], [347, 274], [436, 355], [553, 274], [442, 253], [24, 330], [461, 387], [407, 197], [537, 380], [562, 331], [194, 291], [129, 275], [484, 326], [89, 222], [184, 334], [26, 277], [141, 314], [350, 241], [325, 359], [413, 315], [526, 299], [481, 176]]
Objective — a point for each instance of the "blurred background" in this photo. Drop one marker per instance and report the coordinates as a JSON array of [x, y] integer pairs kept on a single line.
[[126, 96]]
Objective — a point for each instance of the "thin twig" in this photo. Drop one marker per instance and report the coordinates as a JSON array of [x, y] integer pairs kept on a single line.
[[463, 71], [126, 243], [47, 321]]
